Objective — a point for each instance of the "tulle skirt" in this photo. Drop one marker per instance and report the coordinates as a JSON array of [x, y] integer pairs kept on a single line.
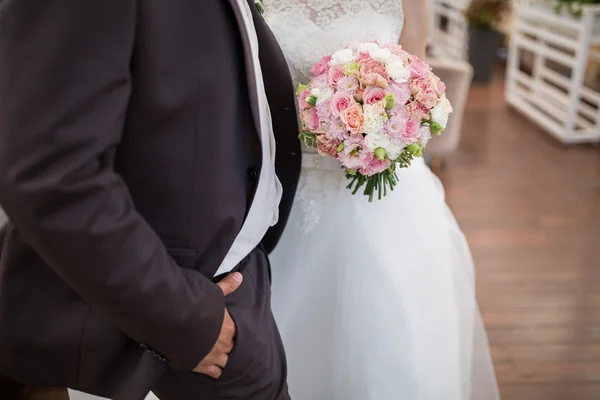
[[376, 301]]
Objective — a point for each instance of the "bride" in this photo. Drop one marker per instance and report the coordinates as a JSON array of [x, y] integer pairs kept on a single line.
[[375, 301]]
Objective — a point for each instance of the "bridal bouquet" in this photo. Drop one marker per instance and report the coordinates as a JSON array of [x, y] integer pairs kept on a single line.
[[372, 107]]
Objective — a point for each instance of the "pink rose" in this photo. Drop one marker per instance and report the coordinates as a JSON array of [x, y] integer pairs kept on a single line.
[[335, 75], [363, 57], [322, 66], [327, 146], [373, 95], [353, 118], [423, 92], [394, 48], [438, 86], [340, 102], [310, 119], [302, 99], [373, 73], [355, 155], [441, 87], [376, 166], [419, 69], [396, 126], [412, 133], [418, 111]]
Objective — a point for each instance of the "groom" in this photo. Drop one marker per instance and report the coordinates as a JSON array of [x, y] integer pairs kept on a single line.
[[137, 158]]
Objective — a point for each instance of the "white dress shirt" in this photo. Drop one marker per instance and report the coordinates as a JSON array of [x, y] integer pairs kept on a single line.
[[264, 211]]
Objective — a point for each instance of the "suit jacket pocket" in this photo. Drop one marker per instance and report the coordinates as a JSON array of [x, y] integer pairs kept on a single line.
[[185, 258], [114, 366]]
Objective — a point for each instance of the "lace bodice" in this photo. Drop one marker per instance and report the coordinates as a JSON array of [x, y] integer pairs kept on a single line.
[[307, 30], [310, 29]]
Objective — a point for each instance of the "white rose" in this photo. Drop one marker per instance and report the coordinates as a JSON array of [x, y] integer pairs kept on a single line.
[[342, 57], [315, 93], [376, 141], [397, 71], [373, 119], [441, 112], [395, 58], [324, 95], [367, 47], [394, 150], [381, 55]]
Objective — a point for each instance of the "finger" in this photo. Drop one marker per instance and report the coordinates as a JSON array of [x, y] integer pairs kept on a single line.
[[224, 346], [211, 358], [214, 371], [228, 347], [230, 283], [222, 360], [228, 323]]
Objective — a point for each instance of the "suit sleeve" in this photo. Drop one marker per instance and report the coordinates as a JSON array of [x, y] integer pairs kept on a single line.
[[64, 90]]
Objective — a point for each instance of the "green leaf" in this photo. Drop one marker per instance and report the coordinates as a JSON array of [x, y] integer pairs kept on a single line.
[[308, 138], [301, 88], [312, 100], [260, 8]]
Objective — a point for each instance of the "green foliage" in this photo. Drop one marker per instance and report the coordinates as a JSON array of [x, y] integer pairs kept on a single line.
[[573, 6], [486, 14]]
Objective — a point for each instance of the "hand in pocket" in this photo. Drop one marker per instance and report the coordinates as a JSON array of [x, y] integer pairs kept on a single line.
[[213, 364]]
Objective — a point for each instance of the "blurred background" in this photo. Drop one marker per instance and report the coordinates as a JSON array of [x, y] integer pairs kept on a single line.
[[521, 167]]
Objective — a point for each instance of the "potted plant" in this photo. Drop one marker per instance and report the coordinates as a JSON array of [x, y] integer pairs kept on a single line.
[[573, 6], [483, 17]]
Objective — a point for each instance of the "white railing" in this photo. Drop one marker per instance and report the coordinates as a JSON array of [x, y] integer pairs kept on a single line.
[[549, 57], [449, 32]]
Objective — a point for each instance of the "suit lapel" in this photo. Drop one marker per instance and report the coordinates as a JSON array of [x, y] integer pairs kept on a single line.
[[243, 20]]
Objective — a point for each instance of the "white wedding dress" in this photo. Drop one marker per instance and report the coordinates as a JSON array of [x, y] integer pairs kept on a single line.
[[375, 301]]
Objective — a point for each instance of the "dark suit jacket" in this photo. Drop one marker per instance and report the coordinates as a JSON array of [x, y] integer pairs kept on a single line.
[[129, 154]]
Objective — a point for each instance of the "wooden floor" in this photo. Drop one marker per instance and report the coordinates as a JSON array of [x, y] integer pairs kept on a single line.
[[530, 208]]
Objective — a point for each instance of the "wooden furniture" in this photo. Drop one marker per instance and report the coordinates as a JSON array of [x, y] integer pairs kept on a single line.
[[549, 58], [448, 29]]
